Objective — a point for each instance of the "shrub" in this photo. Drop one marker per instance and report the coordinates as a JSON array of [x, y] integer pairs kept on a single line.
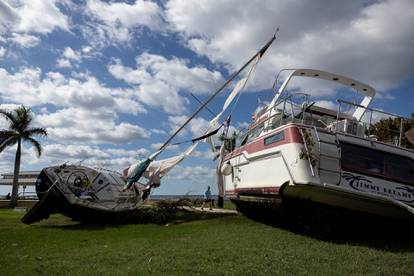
[[162, 212]]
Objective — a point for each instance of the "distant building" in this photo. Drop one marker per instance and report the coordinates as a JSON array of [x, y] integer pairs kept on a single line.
[[26, 178]]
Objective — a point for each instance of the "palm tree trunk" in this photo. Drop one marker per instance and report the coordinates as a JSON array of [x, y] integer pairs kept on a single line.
[[13, 201]]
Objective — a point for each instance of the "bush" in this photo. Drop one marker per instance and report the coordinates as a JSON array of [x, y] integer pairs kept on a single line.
[[184, 202], [162, 212], [198, 202]]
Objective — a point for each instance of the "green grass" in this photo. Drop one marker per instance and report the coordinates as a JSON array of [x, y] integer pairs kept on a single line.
[[229, 205], [193, 244]]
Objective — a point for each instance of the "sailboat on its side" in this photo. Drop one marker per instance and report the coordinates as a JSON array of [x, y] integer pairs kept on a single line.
[[98, 195]]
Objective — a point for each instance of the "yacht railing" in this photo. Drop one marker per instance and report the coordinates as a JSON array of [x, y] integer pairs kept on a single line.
[[286, 111], [374, 116]]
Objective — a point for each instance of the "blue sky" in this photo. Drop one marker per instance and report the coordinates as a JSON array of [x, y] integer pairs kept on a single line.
[[111, 79]]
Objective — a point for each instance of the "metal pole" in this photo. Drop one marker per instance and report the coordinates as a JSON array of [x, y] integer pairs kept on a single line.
[[337, 117], [401, 131], [370, 122], [259, 53]]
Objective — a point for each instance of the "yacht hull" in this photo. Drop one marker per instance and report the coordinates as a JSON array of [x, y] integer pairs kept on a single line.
[[273, 174]]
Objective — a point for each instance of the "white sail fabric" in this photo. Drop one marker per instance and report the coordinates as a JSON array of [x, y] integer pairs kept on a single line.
[[236, 90], [165, 165], [158, 169]]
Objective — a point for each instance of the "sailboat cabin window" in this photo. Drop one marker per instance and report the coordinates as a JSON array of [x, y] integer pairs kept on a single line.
[[377, 163]]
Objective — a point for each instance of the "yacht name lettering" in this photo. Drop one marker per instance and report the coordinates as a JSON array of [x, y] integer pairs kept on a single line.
[[360, 183]]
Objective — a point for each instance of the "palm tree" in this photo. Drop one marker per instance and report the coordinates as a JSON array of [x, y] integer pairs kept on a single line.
[[19, 131]]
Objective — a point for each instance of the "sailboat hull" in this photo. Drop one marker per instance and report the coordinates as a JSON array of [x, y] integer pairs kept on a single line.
[[83, 194]]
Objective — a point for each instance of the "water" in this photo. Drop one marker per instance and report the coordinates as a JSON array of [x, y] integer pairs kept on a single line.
[[172, 197]]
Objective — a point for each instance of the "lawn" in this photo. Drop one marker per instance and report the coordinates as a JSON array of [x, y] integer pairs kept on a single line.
[[193, 244]]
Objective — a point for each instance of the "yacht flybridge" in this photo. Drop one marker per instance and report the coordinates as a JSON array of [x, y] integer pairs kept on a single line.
[[307, 153]]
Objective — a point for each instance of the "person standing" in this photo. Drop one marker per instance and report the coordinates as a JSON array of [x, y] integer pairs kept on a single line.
[[207, 199]]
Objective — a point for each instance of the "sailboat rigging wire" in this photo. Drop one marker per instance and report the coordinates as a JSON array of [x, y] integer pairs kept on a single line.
[[208, 109], [211, 133], [233, 76], [140, 169]]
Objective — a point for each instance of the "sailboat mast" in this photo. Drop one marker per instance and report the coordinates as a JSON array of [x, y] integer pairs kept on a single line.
[[140, 169], [235, 74]]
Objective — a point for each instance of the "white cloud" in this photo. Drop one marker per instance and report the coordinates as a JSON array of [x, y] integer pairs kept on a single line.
[[8, 157], [28, 87], [114, 23], [53, 154], [159, 78], [196, 127], [131, 153], [73, 152], [63, 63], [156, 146], [354, 38], [68, 56], [208, 154], [179, 74], [8, 16], [144, 13], [40, 16], [28, 157], [69, 53], [23, 21], [8, 107], [4, 124], [2, 52], [114, 158], [86, 49], [127, 105], [158, 131], [25, 40], [195, 174], [84, 109], [89, 126], [327, 104]]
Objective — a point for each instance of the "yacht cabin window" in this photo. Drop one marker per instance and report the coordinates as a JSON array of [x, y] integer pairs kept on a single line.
[[377, 163], [255, 132]]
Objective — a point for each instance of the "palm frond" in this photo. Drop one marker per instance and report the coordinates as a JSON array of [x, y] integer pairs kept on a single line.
[[8, 116], [7, 133], [35, 131], [23, 118], [20, 120], [8, 142], [35, 144]]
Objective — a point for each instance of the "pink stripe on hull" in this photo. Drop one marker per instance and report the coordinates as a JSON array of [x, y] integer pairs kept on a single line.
[[291, 134]]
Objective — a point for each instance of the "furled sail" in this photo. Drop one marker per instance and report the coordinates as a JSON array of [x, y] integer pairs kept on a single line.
[[141, 168], [157, 169]]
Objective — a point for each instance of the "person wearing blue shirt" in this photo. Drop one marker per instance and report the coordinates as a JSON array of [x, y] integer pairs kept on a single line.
[[207, 198]]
